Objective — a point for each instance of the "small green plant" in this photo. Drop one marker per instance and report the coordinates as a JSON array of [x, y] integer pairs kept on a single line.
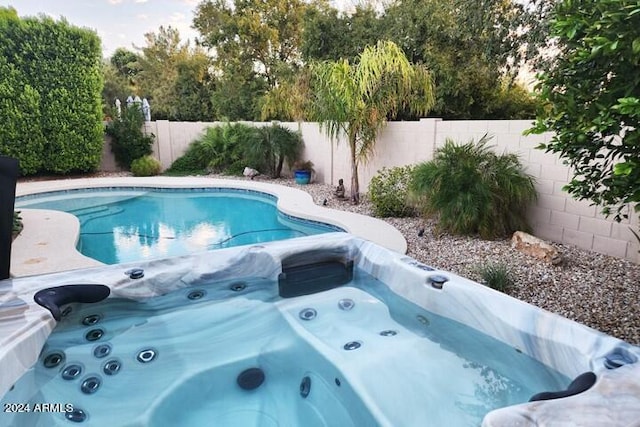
[[128, 141], [497, 276], [472, 190], [388, 192], [145, 166], [185, 165], [17, 223]]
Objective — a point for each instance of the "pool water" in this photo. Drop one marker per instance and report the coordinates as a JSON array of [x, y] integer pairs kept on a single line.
[[356, 355], [118, 226]]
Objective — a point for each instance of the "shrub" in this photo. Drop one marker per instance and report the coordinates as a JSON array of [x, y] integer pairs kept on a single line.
[[497, 276], [50, 83], [388, 192], [220, 149], [145, 166], [473, 190], [190, 163], [230, 147], [270, 147], [227, 149], [128, 141]]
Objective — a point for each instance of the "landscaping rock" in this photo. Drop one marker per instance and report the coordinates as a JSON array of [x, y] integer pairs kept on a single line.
[[535, 247]]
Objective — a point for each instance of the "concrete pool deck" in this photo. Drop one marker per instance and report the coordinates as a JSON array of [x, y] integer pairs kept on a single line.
[[47, 243]]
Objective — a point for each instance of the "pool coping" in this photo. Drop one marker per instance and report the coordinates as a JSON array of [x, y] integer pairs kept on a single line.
[[44, 248]]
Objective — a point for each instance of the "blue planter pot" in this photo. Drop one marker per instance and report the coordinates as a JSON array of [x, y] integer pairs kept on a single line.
[[302, 177]]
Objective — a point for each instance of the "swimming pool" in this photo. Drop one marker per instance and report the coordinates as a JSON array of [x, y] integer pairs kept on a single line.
[[323, 330], [49, 240], [122, 224]]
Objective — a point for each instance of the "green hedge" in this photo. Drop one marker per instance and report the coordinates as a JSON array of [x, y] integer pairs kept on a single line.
[[50, 88]]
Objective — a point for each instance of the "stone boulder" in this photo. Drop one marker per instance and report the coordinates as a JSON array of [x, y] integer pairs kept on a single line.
[[535, 247]]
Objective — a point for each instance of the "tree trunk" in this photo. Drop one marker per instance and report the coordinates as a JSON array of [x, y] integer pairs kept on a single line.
[[278, 170], [355, 185]]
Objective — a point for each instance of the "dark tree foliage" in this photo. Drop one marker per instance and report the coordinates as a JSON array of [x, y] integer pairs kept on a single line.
[[116, 86], [192, 90], [472, 48], [237, 93], [174, 77], [51, 81], [263, 34], [125, 62], [330, 35], [593, 92]]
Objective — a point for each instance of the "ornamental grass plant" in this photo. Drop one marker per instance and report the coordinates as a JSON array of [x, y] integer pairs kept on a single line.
[[218, 150], [497, 276], [230, 147], [472, 190]]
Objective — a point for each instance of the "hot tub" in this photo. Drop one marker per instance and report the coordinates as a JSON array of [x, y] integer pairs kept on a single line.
[[318, 331]]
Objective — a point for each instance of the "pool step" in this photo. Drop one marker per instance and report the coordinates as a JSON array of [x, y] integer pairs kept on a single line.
[[89, 214]]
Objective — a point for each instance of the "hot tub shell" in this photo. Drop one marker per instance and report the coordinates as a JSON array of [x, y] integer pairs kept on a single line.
[[560, 343]]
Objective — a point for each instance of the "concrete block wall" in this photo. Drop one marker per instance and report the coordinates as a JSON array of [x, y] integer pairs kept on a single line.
[[555, 217], [173, 138]]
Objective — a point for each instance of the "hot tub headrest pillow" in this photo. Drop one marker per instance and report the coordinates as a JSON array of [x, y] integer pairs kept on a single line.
[[583, 382], [53, 298]]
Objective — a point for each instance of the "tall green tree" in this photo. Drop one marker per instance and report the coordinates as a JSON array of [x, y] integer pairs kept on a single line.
[[125, 63], [474, 50], [193, 88], [119, 73], [238, 92], [535, 44], [116, 86], [265, 34], [174, 77], [330, 35], [593, 93], [159, 70], [256, 48], [356, 99]]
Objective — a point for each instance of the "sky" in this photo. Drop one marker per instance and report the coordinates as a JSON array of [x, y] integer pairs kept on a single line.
[[119, 23]]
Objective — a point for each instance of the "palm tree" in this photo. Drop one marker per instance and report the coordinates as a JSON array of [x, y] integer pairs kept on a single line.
[[358, 98], [270, 146]]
